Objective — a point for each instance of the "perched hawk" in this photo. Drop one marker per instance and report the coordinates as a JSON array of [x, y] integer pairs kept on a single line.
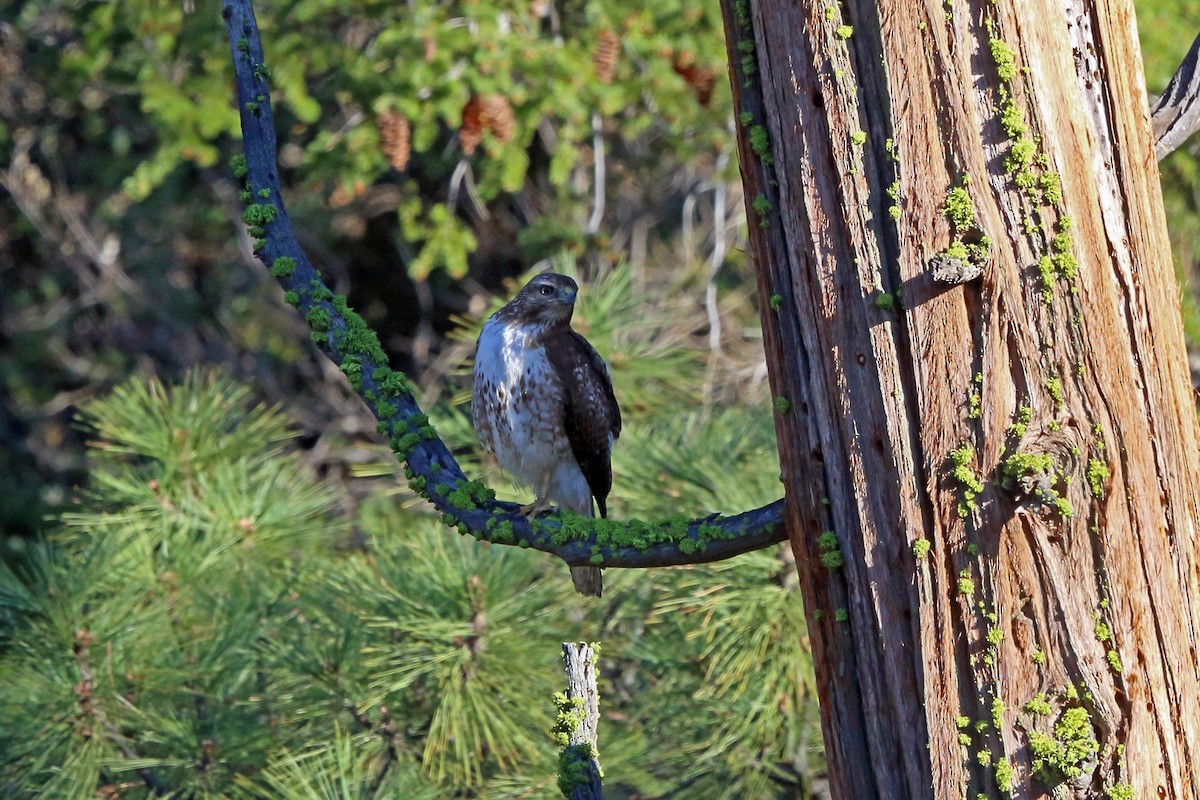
[[544, 404]]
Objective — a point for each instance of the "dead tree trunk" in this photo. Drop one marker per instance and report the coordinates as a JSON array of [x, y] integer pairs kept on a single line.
[[991, 480]]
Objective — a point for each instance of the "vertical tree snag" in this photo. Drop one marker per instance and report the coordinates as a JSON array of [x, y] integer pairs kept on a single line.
[[1005, 467]]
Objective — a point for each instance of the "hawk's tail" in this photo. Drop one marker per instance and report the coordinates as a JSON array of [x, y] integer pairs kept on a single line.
[[588, 581]]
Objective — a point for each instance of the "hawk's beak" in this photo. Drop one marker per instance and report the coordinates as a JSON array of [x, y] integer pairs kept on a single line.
[[568, 297]]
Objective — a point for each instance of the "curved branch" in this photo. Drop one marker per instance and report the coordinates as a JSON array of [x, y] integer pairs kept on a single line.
[[344, 337], [1176, 115]]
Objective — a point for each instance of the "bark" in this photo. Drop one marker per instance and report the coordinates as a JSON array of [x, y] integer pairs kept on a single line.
[[577, 722], [1034, 428], [1175, 116]]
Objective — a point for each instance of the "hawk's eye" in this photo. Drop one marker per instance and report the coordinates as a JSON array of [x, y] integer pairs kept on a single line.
[[546, 289]]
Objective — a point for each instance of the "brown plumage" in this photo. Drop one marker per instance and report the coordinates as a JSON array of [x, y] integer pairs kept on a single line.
[[543, 403]]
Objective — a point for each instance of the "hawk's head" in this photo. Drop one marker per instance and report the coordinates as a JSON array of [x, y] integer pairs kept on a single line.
[[548, 299]]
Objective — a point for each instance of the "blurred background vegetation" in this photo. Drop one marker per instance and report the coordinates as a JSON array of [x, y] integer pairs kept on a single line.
[[233, 599]]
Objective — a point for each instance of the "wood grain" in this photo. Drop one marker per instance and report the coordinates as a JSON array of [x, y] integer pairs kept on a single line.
[[878, 399]]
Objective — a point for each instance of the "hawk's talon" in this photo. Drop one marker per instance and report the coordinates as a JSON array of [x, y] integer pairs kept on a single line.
[[535, 509]]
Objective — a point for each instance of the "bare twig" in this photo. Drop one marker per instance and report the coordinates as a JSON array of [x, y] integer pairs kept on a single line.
[[599, 181], [50, 208], [579, 774], [1176, 115], [88, 708], [462, 179], [715, 262], [387, 731], [343, 336], [717, 258]]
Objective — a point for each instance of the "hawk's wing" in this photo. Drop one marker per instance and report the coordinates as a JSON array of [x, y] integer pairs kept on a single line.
[[591, 417]]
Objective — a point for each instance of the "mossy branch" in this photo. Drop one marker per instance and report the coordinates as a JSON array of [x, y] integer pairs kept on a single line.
[[345, 338], [577, 715]]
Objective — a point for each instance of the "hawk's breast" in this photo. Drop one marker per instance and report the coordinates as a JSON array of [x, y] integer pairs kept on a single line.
[[517, 405]]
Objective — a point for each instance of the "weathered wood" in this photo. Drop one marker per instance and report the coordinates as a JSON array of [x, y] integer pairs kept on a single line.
[[577, 722], [966, 419], [1175, 117]]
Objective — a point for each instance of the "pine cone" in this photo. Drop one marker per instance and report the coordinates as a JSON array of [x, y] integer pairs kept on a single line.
[[395, 138], [604, 57], [471, 132], [498, 117], [701, 79], [491, 113]]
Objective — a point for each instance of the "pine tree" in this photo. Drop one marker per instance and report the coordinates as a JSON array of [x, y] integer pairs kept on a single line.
[[213, 621]]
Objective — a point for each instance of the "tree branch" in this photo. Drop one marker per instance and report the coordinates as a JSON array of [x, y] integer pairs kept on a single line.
[[575, 725], [344, 337], [1176, 115]]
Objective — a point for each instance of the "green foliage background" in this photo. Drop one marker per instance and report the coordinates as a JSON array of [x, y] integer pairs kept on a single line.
[[237, 600], [121, 246], [206, 617]]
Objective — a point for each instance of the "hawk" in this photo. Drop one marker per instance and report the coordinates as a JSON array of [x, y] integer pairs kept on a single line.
[[543, 404]]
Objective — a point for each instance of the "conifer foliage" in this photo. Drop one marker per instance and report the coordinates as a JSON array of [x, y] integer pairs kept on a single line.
[[208, 623]]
